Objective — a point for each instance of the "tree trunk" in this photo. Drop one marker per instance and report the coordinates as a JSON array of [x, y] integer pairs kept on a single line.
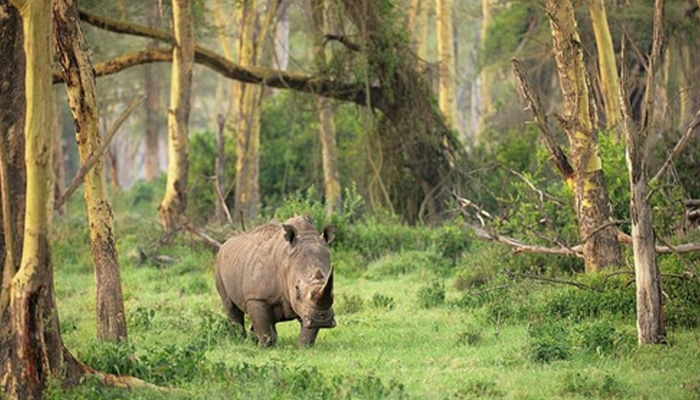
[[331, 182], [30, 339], [650, 324], [446, 60], [418, 27], [487, 75], [609, 82], [174, 203], [591, 201], [281, 43], [80, 85], [153, 111], [251, 43]]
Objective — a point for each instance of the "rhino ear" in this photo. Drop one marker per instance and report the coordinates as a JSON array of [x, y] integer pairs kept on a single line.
[[290, 233], [328, 234]]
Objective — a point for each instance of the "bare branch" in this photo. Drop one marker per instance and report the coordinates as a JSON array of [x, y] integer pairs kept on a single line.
[[94, 157], [359, 93], [519, 246], [579, 285], [678, 148], [535, 105], [344, 41]]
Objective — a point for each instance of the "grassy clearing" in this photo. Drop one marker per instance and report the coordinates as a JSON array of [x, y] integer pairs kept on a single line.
[[404, 331]]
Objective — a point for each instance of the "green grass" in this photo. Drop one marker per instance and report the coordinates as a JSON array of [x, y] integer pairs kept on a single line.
[[387, 344]]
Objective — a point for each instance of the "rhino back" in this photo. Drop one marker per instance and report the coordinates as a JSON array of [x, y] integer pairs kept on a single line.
[[249, 265]]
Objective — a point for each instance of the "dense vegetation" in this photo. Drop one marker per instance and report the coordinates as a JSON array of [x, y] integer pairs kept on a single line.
[[423, 312]]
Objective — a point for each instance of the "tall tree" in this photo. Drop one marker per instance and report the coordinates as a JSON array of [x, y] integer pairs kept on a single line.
[[418, 26], [174, 202], [607, 66], [31, 348], [251, 43], [487, 76], [591, 201], [446, 59], [80, 86], [154, 113], [331, 182], [650, 324]]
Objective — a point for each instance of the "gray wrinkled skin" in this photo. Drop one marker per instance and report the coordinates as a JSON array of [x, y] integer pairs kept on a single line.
[[278, 272]]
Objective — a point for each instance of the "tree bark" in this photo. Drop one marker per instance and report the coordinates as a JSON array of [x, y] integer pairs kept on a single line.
[[591, 200], [327, 132], [487, 75], [174, 203], [446, 59], [80, 86], [31, 345], [609, 82], [650, 324], [153, 104], [247, 117]]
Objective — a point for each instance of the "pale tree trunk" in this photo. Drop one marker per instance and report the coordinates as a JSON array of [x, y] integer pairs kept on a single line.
[[30, 339], [80, 85], [650, 324], [418, 26], [688, 83], [153, 111], [607, 66], [487, 75], [446, 60], [331, 182], [59, 168], [281, 44], [12, 173], [174, 203], [591, 201], [251, 43]]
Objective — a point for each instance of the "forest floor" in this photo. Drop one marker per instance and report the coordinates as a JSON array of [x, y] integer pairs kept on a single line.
[[406, 335]]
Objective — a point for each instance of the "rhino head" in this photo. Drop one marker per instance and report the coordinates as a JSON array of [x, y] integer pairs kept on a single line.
[[311, 294]]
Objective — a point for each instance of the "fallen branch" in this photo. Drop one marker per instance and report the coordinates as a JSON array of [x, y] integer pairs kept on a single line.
[[681, 248], [520, 247], [208, 240], [511, 275], [97, 155]]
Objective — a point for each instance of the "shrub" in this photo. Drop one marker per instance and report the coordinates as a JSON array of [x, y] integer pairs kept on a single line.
[[602, 337], [431, 295], [349, 304], [404, 262], [548, 341], [381, 301], [592, 385]]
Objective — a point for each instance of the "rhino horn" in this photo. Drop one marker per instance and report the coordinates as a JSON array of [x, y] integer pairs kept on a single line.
[[324, 296]]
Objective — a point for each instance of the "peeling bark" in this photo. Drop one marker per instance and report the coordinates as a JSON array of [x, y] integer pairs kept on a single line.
[[80, 86], [174, 203], [591, 201]]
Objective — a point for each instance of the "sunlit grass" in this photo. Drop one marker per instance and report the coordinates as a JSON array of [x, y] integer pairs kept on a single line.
[[385, 346]]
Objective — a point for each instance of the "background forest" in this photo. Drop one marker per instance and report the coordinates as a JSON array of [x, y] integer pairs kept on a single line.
[[495, 170]]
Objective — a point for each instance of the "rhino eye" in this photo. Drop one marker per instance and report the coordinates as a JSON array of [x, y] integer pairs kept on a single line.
[[298, 291]]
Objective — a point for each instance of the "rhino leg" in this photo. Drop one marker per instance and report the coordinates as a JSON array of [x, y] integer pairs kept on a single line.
[[307, 336], [263, 321], [235, 315]]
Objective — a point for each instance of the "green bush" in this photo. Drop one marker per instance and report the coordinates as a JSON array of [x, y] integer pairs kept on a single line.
[[202, 197], [382, 302], [602, 337], [348, 304], [592, 385], [548, 341], [405, 262], [431, 295]]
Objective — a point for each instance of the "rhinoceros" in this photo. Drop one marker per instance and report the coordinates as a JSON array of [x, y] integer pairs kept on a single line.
[[278, 272]]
